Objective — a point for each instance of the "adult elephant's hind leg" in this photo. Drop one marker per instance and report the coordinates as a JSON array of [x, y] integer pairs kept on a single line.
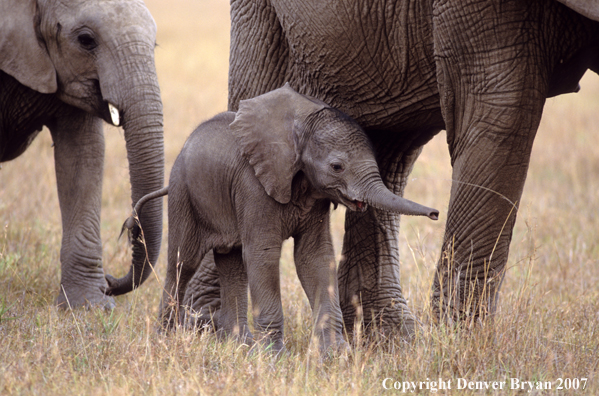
[[202, 296], [232, 319], [369, 270]]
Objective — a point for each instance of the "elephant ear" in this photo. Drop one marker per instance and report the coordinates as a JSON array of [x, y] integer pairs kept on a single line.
[[21, 54], [268, 128], [588, 8]]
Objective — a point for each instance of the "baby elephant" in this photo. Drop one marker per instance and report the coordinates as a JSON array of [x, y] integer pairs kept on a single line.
[[246, 181]]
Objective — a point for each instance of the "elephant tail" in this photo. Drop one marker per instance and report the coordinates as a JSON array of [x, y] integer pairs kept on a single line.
[[131, 223], [126, 284]]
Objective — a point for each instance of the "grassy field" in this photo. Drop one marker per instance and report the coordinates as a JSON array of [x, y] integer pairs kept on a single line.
[[547, 327]]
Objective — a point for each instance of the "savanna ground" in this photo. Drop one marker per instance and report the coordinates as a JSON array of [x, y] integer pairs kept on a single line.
[[547, 326]]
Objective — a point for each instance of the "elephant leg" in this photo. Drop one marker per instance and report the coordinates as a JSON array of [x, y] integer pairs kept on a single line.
[[185, 253], [369, 269], [259, 51], [202, 296], [316, 269], [258, 64], [232, 319], [493, 85], [262, 263], [79, 160]]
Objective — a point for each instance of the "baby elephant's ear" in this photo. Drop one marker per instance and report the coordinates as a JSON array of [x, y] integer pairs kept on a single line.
[[264, 127]]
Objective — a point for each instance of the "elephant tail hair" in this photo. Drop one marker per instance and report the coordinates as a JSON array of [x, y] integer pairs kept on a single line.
[[124, 285], [132, 223]]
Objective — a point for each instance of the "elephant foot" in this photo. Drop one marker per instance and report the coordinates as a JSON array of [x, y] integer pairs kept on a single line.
[[88, 296], [275, 348], [204, 320], [330, 339], [242, 336], [407, 328], [337, 348], [385, 320], [269, 342], [397, 319], [468, 302], [200, 317]]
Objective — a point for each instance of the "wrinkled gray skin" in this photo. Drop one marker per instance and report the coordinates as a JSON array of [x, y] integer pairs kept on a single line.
[[404, 70], [61, 63], [246, 181]]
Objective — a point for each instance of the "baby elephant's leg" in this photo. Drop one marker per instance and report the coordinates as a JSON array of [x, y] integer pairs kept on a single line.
[[262, 262], [185, 252], [232, 319], [315, 264]]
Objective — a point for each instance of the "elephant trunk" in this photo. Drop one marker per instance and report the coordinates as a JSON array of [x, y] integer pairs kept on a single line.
[[140, 111], [380, 197]]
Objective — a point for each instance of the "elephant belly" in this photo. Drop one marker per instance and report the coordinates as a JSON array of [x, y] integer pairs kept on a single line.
[[23, 113], [14, 144], [375, 64]]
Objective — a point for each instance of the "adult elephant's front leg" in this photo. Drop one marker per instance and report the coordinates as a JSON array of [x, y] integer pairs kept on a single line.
[[492, 83], [368, 273], [488, 179], [79, 159]]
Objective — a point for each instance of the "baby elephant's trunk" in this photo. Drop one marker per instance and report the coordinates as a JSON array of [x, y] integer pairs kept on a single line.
[[382, 198]]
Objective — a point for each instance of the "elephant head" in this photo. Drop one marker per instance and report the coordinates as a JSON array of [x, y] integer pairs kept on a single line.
[[97, 56], [283, 132]]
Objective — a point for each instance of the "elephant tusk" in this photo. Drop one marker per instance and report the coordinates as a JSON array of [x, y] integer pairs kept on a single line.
[[114, 114]]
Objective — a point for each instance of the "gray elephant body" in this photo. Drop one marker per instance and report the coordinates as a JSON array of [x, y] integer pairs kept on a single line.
[[404, 70], [245, 182], [217, 204], [68, 66]]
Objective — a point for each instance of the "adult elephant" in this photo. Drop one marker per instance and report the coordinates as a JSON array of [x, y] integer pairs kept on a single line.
[[68, 65], [481, 69]]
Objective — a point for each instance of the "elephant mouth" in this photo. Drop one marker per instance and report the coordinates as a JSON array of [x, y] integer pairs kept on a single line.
[[361, 206], [354, 205]]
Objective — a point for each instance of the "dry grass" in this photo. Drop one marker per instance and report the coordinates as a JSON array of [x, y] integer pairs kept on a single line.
[[547, 326]]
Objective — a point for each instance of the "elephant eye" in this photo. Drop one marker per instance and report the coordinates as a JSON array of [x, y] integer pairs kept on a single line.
[[87, 41], [337, 167]]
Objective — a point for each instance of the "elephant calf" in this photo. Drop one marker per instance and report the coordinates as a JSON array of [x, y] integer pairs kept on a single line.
[[246, 181]]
